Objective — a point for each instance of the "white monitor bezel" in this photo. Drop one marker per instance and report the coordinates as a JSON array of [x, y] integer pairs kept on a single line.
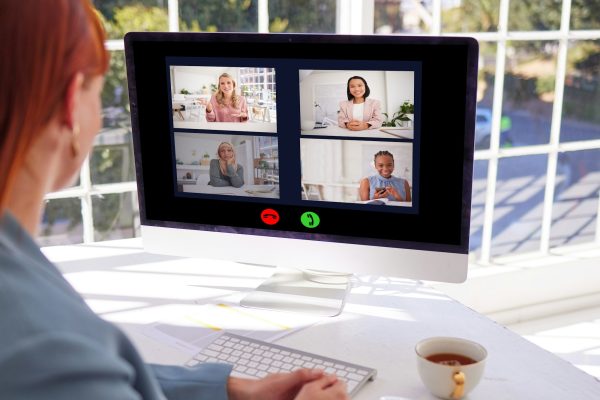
[[307, 254]]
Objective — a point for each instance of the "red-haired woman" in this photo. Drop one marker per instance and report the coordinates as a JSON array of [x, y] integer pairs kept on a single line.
[[53, 345]]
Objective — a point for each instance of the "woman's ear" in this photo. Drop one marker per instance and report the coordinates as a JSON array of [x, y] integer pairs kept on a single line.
[[71, 101]]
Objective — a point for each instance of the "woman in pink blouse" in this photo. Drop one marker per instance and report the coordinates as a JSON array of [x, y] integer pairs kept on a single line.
[[226, 105]]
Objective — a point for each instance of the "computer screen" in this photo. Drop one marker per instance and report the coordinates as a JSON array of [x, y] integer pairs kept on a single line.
[[327, 152]]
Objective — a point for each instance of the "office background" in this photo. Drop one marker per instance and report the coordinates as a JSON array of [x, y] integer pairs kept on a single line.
[[537, 168]]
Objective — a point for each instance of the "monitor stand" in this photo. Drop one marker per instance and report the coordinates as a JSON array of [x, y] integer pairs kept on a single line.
[[320, 293]]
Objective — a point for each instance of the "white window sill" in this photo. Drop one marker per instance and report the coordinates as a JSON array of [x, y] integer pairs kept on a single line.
[[532, 286]]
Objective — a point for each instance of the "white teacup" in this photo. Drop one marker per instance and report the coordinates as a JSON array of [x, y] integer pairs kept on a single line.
[[449, 379], [307, 124]]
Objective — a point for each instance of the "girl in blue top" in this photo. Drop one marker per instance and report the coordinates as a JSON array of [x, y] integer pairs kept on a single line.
[[384, 184]]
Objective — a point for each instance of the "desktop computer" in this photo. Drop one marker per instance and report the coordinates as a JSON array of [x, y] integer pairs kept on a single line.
[[323, 155]]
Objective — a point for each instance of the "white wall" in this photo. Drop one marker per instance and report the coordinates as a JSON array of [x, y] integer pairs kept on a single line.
[[400, 87], [195, 78], [190, 147]]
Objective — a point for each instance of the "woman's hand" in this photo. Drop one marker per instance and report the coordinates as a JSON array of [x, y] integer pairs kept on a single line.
[[232, 161], [380, 194], [357, 125], [326, 388], [241, 115], [303, 384], [394, 192], [205, 103]]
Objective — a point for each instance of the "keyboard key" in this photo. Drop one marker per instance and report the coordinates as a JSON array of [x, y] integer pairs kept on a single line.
[[211, 353], [286, 367], [354, 376]]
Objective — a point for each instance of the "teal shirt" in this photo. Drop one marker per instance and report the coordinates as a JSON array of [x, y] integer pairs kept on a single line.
[[53, 346]]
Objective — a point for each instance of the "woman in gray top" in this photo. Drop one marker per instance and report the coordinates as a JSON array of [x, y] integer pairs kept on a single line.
[[225, 171], [53, 345]]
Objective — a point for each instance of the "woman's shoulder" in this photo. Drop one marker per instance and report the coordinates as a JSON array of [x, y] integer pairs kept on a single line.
[[370, 101], [373, 178]]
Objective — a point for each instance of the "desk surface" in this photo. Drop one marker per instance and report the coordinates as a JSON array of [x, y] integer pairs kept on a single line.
[[267, 191], [386, 133], [383, 320], [250, 126]]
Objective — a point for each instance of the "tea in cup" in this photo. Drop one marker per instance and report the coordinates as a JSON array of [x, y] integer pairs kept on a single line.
[[450, 367]]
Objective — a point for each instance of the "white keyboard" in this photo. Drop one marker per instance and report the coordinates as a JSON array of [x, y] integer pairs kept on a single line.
[[256, 359]]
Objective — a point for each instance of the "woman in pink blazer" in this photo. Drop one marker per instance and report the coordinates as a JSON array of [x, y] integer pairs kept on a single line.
[[359, 112]]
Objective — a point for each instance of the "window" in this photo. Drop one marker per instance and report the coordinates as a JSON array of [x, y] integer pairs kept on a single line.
[[258, 86], [537, 168]]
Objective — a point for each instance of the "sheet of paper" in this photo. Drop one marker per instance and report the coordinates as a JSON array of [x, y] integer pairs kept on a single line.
[[194, 326]]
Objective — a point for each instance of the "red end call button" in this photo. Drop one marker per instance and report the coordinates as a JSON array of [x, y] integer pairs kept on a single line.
[[269, 216]]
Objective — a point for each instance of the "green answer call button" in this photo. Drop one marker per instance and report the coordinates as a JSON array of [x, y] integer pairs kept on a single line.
[[310, 219]]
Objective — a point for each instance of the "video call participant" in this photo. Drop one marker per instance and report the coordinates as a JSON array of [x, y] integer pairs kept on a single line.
[[53, 345], [225, 171], [384, 184], [359, 113], [226, 105]]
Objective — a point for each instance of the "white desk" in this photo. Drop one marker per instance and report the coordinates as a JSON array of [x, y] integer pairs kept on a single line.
[[386, 133], [389, 203], [383, 320], [250, 126], [267, 191]]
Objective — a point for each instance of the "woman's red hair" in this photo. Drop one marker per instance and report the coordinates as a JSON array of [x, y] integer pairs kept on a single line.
[[44, 44]]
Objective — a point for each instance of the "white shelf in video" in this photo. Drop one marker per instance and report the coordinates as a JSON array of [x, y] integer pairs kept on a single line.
[[197, 167]]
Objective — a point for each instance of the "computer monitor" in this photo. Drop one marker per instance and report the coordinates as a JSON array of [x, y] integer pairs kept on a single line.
[[350, 154]]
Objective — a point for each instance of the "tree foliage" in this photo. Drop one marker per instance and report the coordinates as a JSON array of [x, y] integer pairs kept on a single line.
[[220, 15], [534, 15], [302, 16], [472, 16]]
